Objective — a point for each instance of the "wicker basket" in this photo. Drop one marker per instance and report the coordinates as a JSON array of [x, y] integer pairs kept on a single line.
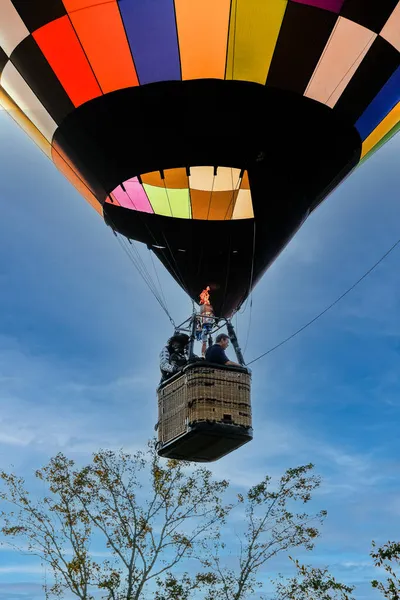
[[205, 400]]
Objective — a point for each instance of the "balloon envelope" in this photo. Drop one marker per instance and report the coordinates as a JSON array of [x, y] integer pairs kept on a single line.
[[207, 130]]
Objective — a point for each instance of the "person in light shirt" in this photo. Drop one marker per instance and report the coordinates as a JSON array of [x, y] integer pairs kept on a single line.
[[173, 357], [207, 320]]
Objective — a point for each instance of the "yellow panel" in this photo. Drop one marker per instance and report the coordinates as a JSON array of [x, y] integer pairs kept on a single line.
[[158, 199], [391, 31], [201, 178], [180, 203], [203, 35], [253, 32], [226, 179], [383, 128], [19, 117], [346, 48], [244, 206]]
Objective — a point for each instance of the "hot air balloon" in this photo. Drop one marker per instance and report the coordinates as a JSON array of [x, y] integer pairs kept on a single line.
[[208, 131]]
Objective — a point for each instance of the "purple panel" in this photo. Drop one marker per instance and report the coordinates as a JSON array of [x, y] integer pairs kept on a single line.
[[151, 29], [332, 5], [134, 198]]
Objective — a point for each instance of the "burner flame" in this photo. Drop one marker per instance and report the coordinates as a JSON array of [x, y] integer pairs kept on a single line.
[[205, 296]]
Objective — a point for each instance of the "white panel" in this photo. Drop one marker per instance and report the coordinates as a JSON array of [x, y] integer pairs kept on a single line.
[[28, 102], [227, 179], [201, 178], [12, 27], [343, 54], [244, 206]]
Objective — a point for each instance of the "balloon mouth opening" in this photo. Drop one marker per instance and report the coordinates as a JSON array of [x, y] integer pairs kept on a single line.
[[199, 192]]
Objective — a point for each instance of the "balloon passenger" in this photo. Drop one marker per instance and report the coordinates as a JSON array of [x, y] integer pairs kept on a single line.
[[216, 352], [173, 357], [206, 323]]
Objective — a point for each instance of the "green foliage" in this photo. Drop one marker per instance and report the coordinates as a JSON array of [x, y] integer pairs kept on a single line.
[[388, 557], [312, 584], [272, 527]]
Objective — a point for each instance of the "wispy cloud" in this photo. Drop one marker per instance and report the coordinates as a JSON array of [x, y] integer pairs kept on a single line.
[[22, 569]]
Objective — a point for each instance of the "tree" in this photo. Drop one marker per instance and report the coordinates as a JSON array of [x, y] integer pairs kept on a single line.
[[385, 556], [146, 539], [312, 584], [150, 530], [271, 526]]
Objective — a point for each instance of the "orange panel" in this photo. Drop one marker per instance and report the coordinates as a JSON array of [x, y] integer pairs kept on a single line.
[[102, 35], [176, 179], [215, 206], [203, 36], [60, 45], [153, 178], [114, 200], [63, 165], [222, 205], [200, 203], [245, 185]]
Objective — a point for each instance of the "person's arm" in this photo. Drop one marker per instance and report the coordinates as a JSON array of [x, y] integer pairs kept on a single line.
[[226, 360], [165, 365], [230, 362]]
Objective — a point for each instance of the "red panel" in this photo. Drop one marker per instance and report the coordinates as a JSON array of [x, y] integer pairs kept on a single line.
[[61, 47], [101, 32]]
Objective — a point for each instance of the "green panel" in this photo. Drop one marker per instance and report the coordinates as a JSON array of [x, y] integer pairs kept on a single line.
[[158, 199], [180, 203]]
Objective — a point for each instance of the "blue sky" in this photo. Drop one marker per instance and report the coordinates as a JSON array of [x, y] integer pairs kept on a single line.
[[80, 336]]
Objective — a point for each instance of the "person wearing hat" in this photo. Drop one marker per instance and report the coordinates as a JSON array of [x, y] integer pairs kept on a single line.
[[173, 357]]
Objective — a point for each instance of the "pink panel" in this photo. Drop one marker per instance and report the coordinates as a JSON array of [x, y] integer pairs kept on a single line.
[[135, 197], [332, 5]]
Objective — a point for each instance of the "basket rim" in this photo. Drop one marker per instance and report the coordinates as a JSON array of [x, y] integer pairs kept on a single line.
[[201, 364]]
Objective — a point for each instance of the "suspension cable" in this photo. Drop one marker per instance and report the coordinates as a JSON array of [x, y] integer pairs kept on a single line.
[[156, 272], [250, 287], [143, 274], [350, 289], [141, 268], [146, 278]]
